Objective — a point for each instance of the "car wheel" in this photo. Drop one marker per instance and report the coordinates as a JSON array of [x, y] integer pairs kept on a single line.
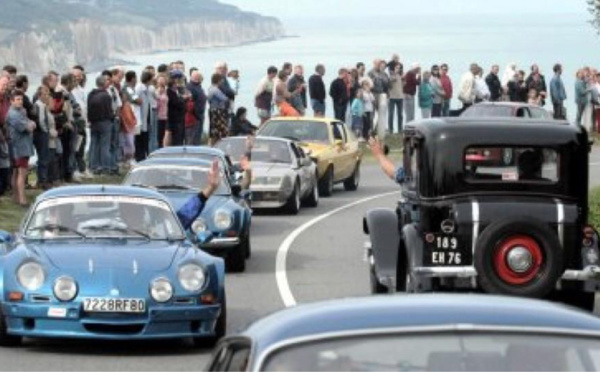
[[519, 258], [236, 259], [220, 329], [7, 340], [293, 204], [581, 300], [403, 279], [248, 246], [326, 183], [351, 184], [313, 199]]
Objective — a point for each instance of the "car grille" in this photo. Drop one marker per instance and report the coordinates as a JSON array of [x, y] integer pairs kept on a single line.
[[120, 329]]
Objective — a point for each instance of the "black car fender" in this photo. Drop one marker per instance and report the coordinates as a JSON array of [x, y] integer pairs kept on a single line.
[[414, 247], [382, 227]]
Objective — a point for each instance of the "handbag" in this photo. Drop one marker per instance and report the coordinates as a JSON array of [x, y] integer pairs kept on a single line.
[[128, 119]]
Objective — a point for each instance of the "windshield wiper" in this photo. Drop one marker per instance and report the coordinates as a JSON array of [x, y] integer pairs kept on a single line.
[[120, 229], [54, 226], [174, 187]]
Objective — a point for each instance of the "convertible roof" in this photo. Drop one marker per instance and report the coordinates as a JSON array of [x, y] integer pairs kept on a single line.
[[414, 311], [101, 190]]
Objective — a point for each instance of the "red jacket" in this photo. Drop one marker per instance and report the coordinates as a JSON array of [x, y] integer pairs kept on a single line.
[[447, 85]]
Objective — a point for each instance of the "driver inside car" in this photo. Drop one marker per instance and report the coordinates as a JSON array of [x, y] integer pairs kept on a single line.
[[531, 163]]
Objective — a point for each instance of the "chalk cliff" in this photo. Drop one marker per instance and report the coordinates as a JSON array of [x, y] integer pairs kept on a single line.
[[55, 34]]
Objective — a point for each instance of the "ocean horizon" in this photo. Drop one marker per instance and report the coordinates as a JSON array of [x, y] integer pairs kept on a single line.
[[457, 40]]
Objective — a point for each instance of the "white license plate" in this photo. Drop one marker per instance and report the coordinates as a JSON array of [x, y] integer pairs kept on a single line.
[[114, 305]]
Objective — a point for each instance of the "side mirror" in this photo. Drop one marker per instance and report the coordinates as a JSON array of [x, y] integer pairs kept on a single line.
[[236, 189], [204, 237]]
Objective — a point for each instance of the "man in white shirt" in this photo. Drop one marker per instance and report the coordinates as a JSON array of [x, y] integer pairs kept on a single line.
[[467, 93], [80, 96]]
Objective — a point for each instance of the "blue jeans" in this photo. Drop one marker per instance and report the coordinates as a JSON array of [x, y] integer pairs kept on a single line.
[[198, 131], [395, 104], [40, 141], [114, 148], [153, 132], [101, 156], [318, 106], [446, 108]]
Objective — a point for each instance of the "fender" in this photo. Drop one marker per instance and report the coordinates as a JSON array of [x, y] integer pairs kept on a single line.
[[382, 227], [414, 255]]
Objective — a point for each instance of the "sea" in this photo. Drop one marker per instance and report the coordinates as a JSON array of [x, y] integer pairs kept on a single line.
[[457, 40]]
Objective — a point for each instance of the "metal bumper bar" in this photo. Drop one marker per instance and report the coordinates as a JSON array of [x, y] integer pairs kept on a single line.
[[222, 243], [589, 273]]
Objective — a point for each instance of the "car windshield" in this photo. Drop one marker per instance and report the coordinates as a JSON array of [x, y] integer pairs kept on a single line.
[[488, 111], [511, 164], [301, 130], [106, 216], [190, 155], [447, 352], [173, 177], [263, 150]]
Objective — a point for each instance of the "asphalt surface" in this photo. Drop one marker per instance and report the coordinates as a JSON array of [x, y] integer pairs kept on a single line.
[[325, 261]]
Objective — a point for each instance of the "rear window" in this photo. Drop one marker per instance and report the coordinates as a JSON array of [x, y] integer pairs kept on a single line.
[[511, 165], [488, 111]]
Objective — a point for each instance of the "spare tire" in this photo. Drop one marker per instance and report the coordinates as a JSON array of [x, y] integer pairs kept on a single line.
[[518, 258]]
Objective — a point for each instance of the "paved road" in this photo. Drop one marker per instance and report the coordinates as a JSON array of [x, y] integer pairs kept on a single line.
[[324, 261]]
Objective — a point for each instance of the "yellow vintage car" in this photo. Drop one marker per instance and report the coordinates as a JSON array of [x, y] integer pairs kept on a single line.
[[329, 142]]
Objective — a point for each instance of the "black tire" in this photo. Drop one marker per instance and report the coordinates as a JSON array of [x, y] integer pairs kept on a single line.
[[7, 340], [236, 259], [248, 246], [220, 329], [582, 300], [326, 183], [352, 183], [312, 200], [376, 287], [293, 204], [549, 271]]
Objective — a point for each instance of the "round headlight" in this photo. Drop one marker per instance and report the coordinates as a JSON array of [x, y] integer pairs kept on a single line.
[[223, 219], [191, 277], [31, 276], [198, 226], [65, 289], [161, 290]]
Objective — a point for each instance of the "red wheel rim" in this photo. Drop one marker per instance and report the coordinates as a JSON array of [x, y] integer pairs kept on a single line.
[[505, 272]]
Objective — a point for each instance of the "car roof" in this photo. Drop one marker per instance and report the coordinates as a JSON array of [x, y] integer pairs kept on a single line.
[[509, 130], [296, 119], [397, 312], [190, 150], [116, 190], [175, 161]]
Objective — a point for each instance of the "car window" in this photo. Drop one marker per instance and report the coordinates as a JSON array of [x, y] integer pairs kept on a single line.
[[439, 352], [224, 164], [511, 164], [537, 113], [173, 177], [411, 164], [485, 110], [106, 216], [263, 150], [339, 132], [301, 130]]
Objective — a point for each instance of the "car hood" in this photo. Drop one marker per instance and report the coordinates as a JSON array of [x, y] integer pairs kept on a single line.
[[315, 148], [156, 256], [270, 169]]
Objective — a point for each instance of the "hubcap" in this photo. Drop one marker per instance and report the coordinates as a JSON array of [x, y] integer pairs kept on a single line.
[[518, 260]]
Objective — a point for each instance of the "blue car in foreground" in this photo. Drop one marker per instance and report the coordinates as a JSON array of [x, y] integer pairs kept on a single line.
[[112, 263], [226, 214], [417, 333]]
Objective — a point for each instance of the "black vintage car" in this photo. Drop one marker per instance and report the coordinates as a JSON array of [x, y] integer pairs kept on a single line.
[[514, 229]]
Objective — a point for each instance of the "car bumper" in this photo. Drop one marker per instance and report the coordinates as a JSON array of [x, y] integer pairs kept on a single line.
[[264, 197], [33, 320], [221, 243]]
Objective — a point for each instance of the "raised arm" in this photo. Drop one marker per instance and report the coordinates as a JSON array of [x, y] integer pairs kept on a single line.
[[195, 205]]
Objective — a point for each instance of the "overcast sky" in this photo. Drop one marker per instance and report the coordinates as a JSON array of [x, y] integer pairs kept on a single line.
[[287, 9]]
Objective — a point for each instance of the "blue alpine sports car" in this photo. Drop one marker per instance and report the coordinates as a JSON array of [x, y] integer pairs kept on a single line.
[[201, 153], [226, 214], [111, 263]]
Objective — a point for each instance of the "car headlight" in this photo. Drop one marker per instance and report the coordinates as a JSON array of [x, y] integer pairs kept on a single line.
[[65, 288], [31, 276], [223, 219], [191, 277], [161, 290], [198, 226]]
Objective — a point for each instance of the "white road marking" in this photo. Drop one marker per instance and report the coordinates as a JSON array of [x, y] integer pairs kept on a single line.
[[280, 264]]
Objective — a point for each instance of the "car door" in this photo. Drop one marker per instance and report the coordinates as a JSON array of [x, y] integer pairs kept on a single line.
[[353, 152], [302, 169]]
